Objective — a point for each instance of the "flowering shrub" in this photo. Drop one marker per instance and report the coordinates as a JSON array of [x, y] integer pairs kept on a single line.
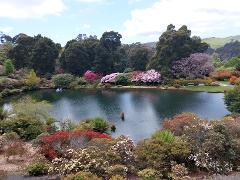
[[197, 65], [212, 146], [111, 78], [151, 76], [90, 76], [38, 169], [221, 75], [124, 150], [55, 144], [88, 159], [177, 123], [179, 172], [233, 80]]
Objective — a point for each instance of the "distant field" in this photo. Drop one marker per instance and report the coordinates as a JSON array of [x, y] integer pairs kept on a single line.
[[220, 42]]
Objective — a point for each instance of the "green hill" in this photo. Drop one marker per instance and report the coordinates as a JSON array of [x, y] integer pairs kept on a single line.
[[215, 42]]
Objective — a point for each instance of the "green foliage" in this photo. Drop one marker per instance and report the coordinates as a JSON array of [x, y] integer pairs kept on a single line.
[[148, 174], [82, 176], [117, 177], [32, 108], [164, 135], [31, 79], [117, 169], [44, 55], [96, 124], [174, 45], [26, 127], [152, 153], [139, 57], [122, 79], [232, 99], [237, 66], [232, 62], [38, 169], [63, 80], [8, 66], [3, 113]]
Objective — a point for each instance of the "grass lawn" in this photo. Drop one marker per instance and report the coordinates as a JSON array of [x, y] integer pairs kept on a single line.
[[212, 89]]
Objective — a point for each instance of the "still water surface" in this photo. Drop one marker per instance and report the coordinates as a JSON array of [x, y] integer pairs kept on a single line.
[[144, 109]]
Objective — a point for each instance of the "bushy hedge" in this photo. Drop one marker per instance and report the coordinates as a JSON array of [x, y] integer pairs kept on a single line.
[[63, 80]]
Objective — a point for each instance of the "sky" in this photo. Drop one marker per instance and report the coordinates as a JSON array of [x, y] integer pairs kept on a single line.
[[136, 20]]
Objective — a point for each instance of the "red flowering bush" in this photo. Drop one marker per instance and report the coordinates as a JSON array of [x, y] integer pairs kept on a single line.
[[53, 145], [91, 76]]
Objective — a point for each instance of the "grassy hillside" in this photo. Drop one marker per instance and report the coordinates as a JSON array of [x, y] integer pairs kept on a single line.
[[219, 42]]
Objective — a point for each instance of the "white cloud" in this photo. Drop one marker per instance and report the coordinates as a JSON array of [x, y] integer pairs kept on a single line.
[[90, 1], [30, 8], [86, 26], [6, 29], [203, 17]]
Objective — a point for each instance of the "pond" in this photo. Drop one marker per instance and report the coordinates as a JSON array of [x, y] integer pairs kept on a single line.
[[144, 109]]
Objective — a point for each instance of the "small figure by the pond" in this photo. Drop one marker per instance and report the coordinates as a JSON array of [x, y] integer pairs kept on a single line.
[[122, 115]]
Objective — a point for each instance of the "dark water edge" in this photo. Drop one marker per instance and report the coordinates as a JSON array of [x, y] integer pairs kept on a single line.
[[144, 109]]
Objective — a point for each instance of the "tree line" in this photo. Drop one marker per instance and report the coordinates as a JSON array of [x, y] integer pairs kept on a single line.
[[104, 55]]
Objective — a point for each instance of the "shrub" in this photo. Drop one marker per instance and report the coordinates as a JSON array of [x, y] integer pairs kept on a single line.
[[38, 169], [8, 67], [81, 81], [55, 144], [117, 177], [26, 127], [118, 169], [197, 65], [149, 174], [122, 80], [152, 153], [15, 148], [232, 99], [82, 176], [233, 80], [164, 135], [96, 124], [90, 76], [111, 78], [179, 172], [212, 146], [221, 75], [31, 79], [63, 80], [177, 123]]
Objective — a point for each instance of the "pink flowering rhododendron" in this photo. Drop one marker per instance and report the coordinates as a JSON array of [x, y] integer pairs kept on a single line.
[[90, 76], [150, 76], [111, 78]]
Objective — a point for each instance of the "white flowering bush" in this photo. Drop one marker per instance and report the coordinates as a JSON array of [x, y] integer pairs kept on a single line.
[[95, 160], [124, 149], [89, 159], [212, 146], [111, 78]]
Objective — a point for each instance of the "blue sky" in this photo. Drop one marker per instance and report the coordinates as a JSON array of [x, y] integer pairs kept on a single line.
[[136, 20]]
